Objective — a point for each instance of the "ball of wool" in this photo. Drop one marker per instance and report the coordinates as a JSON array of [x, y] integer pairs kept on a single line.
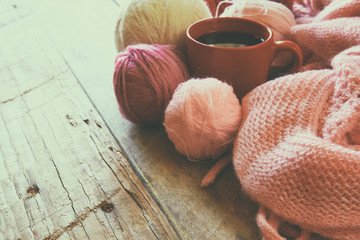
[[213, 4], [287, 3], [145, 78], [202, 118], [273, 14], [157, 21]]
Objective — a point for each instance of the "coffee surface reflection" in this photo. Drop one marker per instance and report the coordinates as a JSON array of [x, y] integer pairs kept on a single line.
[[229, 39]]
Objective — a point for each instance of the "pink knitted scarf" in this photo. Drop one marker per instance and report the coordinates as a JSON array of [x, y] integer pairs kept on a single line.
[[298, 149]]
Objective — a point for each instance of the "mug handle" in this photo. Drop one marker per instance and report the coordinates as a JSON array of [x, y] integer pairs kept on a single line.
[[291, 47]]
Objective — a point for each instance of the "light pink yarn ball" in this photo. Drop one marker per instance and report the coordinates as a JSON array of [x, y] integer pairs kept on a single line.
[[202, 118]]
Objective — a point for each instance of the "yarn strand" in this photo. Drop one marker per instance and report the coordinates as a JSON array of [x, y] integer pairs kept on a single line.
[[216, 169]]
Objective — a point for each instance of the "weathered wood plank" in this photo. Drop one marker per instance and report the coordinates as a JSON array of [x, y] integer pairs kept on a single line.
[[83, 33], [62, 174]]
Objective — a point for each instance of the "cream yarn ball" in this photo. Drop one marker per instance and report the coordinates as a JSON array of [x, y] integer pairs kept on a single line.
[[157, 21], [203, 118]]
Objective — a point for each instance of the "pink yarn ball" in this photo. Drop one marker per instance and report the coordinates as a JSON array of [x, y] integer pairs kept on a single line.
[[144, 80], [202, 118]]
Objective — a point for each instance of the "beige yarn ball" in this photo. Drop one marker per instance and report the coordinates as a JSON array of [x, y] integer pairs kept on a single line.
[[157, 21]]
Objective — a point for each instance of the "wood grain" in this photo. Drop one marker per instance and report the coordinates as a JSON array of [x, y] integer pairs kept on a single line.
[[78, 55], [85, 39], [62, 174]]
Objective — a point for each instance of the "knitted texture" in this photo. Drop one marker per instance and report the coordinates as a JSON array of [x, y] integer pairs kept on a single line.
[[297, 152], [340, 123], [284, 165], [305, 9], [324, 9], [338, 9], [327, 38]]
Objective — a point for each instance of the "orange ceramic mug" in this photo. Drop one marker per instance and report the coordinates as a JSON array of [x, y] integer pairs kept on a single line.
[[238, 51]]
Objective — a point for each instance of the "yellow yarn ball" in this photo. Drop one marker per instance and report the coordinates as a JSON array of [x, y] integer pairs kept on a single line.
[[157, 21]]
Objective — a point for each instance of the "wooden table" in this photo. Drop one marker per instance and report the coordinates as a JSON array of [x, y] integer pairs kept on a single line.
[[70, 166]]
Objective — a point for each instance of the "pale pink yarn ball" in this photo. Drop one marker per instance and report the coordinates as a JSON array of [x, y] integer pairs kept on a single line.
[[203, 118]]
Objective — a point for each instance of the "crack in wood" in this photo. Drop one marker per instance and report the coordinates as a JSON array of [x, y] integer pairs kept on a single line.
[[98, 124], [49, 213], [116, 3], [115, 214], [133, 195], [79, 219], [10, 99], [112, 229], [68, 194], [82, 187], [30, 89], [136, 197]]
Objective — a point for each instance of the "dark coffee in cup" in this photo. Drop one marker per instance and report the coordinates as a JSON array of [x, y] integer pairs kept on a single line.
[[229, 39], [243, 67]]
